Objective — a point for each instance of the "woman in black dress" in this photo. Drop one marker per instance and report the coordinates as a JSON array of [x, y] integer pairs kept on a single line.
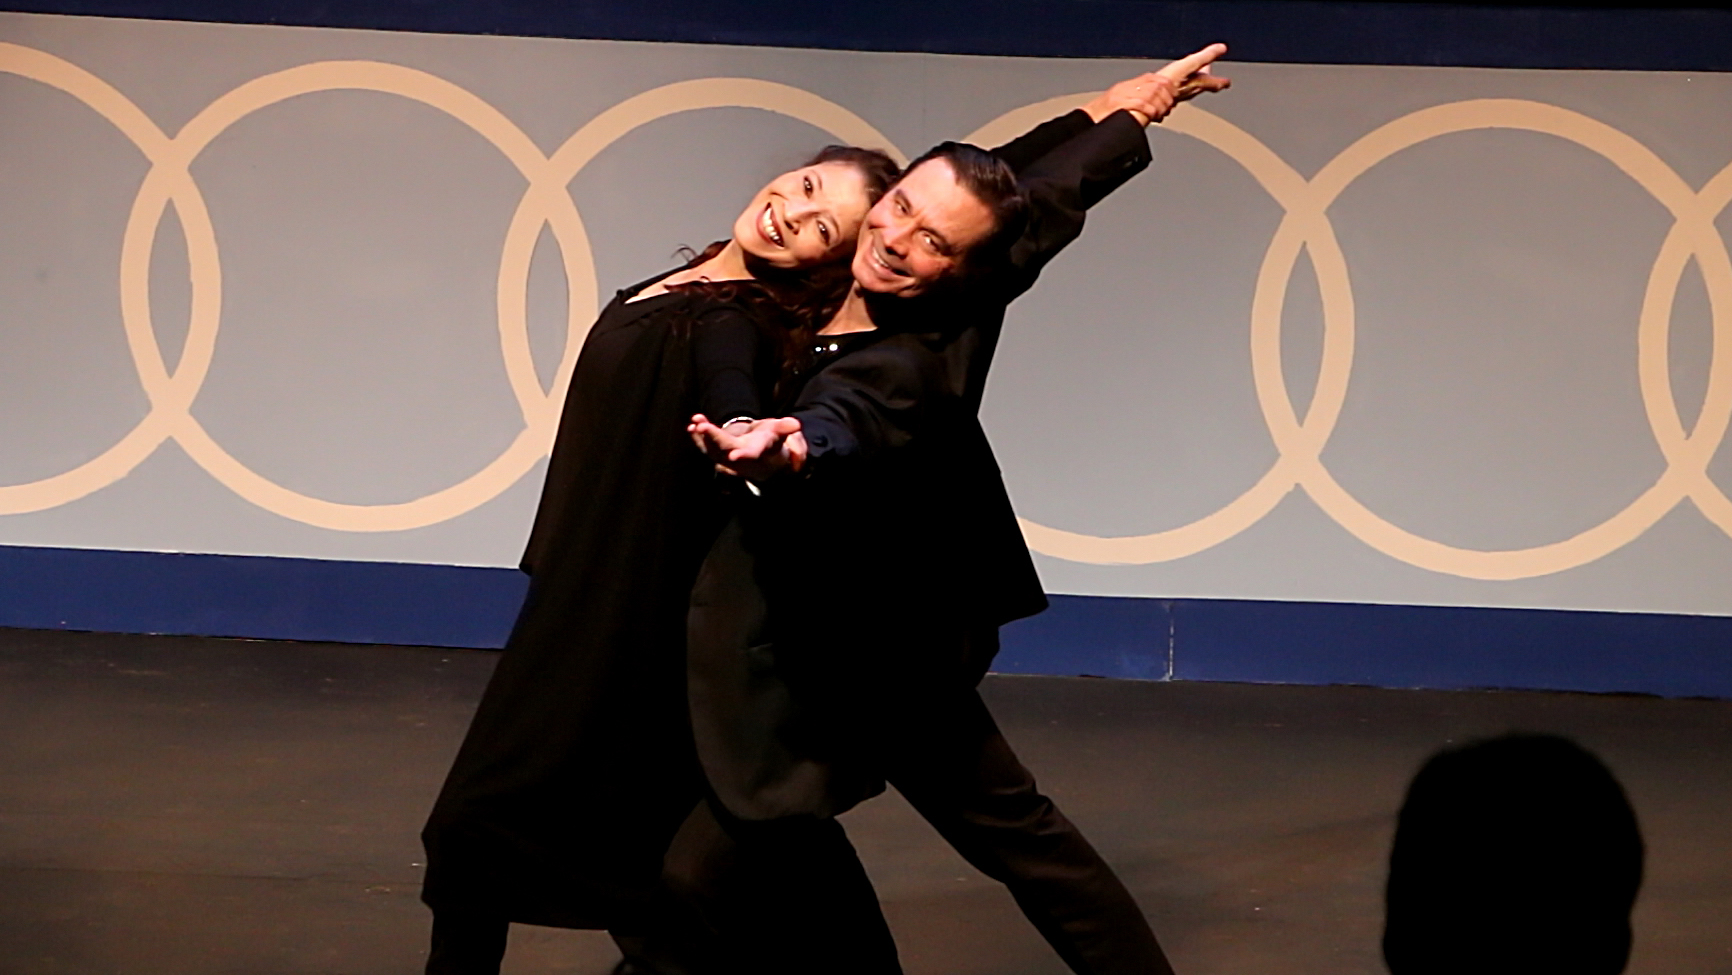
[[578, 767]]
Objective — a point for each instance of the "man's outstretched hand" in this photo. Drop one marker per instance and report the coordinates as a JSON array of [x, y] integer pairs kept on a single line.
[[755, 451], [1150, 97]]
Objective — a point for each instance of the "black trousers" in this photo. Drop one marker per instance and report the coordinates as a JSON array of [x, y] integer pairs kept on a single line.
[[939, 746], [671, 941], [787, 896], [780, 897], [466, 944], [947, 757]]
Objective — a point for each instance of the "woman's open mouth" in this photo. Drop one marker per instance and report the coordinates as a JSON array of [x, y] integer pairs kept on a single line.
[[767, 227]]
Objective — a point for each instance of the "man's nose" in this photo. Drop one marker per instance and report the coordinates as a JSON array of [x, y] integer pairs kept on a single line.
[[895, 237]]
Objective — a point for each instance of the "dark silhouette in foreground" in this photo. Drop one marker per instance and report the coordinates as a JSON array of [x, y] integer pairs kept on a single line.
[[1514, 854]]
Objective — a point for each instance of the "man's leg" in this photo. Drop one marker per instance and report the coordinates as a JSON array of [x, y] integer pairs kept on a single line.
[[466, 944], [782, 897], [668, 938], [945, 754], [664, 948]]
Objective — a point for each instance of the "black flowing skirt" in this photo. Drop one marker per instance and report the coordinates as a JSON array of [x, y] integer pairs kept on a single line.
[[579, 765]]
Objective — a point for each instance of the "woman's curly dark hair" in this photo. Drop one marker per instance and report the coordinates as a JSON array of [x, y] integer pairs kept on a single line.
[[794, 303]]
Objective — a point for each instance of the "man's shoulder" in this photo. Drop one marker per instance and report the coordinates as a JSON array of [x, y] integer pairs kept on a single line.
[[898, 352], [939, 319], [886, 367]]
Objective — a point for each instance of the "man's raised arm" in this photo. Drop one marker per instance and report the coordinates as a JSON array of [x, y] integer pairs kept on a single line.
[[1150, 97], [1063, 184]]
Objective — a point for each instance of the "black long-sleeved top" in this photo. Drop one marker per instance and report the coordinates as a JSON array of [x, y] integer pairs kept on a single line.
[[643, 363]]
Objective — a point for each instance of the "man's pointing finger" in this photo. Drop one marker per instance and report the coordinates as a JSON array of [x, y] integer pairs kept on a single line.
[[1192, 63]]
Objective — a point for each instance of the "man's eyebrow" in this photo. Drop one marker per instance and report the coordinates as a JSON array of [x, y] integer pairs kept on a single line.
[[944, 244]]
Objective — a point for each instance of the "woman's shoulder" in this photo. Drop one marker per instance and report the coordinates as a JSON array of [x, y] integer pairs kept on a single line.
[[741, 299], [684, 310]]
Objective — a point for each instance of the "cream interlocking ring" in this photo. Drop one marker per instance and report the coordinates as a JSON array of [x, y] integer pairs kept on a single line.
[[1300, 440], [546, 201]]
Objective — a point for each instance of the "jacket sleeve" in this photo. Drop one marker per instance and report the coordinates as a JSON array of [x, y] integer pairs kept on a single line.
[[868, 402], [1027, 149], [1065, 182]]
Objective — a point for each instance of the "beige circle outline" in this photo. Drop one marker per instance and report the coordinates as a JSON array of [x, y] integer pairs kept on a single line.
[[1653, 361], [119, 459], [174, 171], [1692, 224], [1692, 236], [1304, 225]]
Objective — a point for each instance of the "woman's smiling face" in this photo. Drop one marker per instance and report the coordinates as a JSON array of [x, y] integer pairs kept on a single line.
[[805, 217]]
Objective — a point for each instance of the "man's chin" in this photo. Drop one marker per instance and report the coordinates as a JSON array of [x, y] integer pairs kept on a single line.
[[890, 295], [883, 286]]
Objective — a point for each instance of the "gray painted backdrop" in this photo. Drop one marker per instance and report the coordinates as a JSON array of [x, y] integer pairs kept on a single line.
[[1497, 278]]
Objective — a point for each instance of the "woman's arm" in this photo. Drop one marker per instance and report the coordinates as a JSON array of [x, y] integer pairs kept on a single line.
[[731, 366]]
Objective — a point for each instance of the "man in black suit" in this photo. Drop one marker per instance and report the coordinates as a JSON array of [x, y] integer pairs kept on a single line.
[[840, 628]]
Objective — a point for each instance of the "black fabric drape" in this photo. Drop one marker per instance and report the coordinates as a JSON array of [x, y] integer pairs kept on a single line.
[[578, 767]]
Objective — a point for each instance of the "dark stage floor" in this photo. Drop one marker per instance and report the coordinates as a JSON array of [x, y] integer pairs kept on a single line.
[[188, 806]]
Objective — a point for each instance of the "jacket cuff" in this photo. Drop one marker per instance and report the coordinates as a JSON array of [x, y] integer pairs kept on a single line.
[[1124, 127], [826, 439]]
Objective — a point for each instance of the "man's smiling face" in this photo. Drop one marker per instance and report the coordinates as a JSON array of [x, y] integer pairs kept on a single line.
[[919, 232]]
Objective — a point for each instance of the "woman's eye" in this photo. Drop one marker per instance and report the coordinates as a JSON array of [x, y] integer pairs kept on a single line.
[[807, 181], [824, 232]]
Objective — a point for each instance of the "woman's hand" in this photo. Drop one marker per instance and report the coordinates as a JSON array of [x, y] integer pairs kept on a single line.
[[755, 451], [1150, 97]]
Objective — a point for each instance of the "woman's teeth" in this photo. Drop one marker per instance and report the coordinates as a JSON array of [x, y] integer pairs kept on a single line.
[[767, 223]]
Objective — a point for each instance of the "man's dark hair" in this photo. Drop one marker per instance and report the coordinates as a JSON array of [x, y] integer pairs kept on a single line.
[[990, 180]]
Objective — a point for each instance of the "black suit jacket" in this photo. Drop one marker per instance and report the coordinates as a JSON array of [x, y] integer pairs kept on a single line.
[[873, 573], [902, 496]]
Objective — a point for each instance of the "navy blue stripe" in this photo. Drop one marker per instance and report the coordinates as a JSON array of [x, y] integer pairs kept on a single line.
[[1302, 31], [1374, 645], [263, 598], [1189, 639]]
